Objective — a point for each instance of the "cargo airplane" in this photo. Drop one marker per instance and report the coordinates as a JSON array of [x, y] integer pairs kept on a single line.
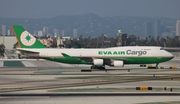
[[97, 57]]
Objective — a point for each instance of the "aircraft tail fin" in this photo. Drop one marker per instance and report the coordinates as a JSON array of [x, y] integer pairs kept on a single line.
[[25, 39]]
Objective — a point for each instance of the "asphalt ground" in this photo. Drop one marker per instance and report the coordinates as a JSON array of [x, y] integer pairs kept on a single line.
[[41, 81]]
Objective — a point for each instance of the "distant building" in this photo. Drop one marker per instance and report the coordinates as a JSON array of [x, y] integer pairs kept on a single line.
[[56, 33], [148, 26], [4, 30], [60, 42], [49, 41], [40, 33], [75, 33], [178, 28], [119, 36], [165, 34], [157, 28], [8, 41], [9, 32], [45, 30], [46, 42], [35, 33], [66, 38], [132, 38]]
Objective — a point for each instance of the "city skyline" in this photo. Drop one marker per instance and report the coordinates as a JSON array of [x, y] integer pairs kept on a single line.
[[93, 25], [53, 8]]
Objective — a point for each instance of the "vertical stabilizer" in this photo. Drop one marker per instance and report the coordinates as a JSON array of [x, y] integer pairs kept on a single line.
[[25, 39]]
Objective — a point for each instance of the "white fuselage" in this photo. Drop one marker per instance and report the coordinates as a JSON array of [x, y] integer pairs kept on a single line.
[[130, 51]]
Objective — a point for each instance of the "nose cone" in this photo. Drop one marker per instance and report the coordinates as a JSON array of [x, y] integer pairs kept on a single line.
[[171, 56]]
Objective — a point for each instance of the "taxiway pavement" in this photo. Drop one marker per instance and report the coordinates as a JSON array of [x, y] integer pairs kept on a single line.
[[46, 77]]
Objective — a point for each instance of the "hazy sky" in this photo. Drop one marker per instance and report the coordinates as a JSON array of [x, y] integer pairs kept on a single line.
[[52, 8]]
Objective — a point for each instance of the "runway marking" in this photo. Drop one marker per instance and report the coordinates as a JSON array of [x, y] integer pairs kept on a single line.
[[50, 64], [60, 85], [46, 63], [28, 64], [95, 94]]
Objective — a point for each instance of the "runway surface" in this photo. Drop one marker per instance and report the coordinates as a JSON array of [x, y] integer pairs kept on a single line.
[[46, 82]]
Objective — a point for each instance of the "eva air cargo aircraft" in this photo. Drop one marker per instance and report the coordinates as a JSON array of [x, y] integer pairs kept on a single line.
[[97, 57]]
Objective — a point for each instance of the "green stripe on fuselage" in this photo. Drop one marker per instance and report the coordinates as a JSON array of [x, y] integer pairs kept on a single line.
[[146, 60], [69, 60], [127, 60]]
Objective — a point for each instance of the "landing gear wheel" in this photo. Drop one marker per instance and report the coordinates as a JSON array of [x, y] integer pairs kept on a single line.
[[157, 65], [103, 68], [97, 67], [92, 67]]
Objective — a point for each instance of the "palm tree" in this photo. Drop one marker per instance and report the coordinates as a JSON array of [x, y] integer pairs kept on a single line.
[[2, 50], [15, 45]]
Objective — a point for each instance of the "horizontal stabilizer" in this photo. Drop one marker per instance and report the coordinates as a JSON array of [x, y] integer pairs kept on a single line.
[[26, 51], [65, 55]]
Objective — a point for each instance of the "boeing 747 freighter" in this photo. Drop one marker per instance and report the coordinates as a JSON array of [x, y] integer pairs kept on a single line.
[[97, 57]]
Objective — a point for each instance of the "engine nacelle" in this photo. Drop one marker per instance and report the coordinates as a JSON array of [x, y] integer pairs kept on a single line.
[[118, 63], [98, 62]]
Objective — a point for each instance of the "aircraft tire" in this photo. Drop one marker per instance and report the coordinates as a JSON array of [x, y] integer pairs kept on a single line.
[[101, 68], [92, 67]]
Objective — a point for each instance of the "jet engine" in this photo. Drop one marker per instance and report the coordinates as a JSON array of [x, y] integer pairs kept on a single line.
[[98, 62], [118, 63]]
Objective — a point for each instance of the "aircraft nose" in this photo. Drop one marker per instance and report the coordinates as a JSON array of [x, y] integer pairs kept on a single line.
[[171, 55]]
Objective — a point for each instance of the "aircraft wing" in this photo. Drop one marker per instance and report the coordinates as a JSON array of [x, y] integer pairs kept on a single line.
[[68, 56], [90, 59]]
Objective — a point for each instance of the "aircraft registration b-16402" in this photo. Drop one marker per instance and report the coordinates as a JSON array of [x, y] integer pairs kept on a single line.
[[97, 57]]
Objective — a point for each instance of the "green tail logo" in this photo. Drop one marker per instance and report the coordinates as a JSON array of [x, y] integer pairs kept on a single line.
[[25, 39]]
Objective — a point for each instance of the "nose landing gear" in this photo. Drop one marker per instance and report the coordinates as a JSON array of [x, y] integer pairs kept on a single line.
[[157, 65]]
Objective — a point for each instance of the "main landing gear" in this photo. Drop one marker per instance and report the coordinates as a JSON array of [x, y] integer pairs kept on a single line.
[[97, 67], [157, 65]]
